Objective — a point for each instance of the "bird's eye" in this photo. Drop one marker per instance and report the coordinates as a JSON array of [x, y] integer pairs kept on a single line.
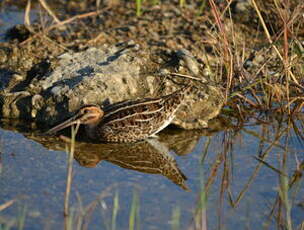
[[87, 111], [84, 111]]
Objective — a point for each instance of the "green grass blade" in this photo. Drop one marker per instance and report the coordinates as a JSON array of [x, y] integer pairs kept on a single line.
[[134, 212], [115, 210], [176, 218], [21, 218], [138, 8], [181, 3]]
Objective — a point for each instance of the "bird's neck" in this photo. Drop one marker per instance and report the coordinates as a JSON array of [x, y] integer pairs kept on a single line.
[[91, 130]]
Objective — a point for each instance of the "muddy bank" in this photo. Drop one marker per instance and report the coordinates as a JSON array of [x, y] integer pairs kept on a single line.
[[236, 59]]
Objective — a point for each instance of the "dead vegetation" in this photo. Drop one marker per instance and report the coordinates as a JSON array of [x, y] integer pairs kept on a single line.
[[253, 49]]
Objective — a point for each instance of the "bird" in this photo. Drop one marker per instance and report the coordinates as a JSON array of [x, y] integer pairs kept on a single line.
[[127, 121]]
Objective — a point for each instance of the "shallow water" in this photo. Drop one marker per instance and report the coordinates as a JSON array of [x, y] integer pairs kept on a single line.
[[35, 177], [10, 16], [241, 191]]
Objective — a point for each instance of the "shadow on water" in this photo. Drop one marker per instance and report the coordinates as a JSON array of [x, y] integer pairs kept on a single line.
[[243, 176]]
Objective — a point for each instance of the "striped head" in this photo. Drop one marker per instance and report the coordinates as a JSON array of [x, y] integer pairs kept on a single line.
[[88, 115]]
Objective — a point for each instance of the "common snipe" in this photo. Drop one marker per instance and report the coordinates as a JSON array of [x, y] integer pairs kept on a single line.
[[127, 121]]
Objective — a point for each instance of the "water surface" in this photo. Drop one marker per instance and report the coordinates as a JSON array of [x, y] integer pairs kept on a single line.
[[35, 176]]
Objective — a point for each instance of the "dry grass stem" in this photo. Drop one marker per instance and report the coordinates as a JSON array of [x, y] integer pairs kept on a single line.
[[270, 40], [50, 12], [27, 20], [214, 170], [187, 76], [247, 100], [61, 23], [70, 152], [7, 204], [90, 208]]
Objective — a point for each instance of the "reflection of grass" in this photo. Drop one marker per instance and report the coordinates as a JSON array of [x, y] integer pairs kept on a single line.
[[15, 222], [270, 138], [21, 219], [283, 193], [115, 210], [199, 220], [1, 166], [175, 219], [134, 212]]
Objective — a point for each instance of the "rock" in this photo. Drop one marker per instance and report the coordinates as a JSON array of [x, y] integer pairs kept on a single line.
[[58, 88]]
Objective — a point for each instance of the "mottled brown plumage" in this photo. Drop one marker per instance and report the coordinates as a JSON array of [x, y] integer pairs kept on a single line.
[[144, 156], [127, 121]]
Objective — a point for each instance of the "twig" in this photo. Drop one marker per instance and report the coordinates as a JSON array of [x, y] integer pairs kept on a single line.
[[27, 20], [247, 100], [270, 40], [81, 16], [65, 139], [48, 9], [187, 76]]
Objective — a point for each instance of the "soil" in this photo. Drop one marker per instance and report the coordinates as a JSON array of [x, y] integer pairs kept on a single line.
[[160, 28], [164, 26]]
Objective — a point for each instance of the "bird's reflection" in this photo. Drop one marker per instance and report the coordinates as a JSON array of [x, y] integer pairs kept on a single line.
[[153, 156], [141, 156]]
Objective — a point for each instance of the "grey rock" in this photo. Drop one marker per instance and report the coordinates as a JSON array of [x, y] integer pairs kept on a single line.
[[103, 76]]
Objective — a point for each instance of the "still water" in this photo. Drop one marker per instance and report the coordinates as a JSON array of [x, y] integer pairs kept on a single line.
[[11, 16], [241, 172]]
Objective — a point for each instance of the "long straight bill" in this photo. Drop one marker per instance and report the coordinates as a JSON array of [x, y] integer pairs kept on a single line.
[[71, 121]]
